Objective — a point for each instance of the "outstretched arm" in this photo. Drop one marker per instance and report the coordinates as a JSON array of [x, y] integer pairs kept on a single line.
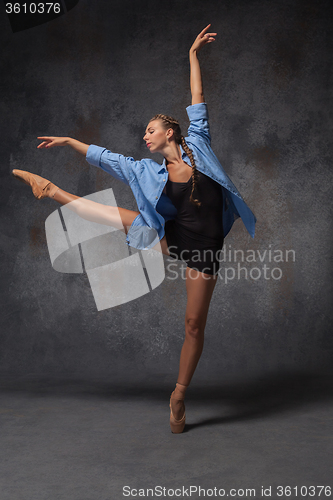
[[195, 73], [50, 142]]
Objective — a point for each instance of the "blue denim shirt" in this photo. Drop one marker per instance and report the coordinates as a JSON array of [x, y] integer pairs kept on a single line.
[[147, 179]]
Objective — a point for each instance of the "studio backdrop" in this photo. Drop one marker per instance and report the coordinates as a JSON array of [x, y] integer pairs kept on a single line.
[[97, 72]]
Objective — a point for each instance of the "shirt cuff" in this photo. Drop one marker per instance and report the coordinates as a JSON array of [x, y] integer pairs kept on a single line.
[[93, 155], [197, 111]]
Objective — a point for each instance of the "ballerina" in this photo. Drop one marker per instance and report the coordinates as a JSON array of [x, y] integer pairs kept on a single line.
[[188, 200]]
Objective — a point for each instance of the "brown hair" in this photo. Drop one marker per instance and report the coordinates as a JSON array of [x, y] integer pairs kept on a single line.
[[169, 122]]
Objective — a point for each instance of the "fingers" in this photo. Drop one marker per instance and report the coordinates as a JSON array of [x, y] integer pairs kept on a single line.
[[44, 144], [210, 38], [205, 29], [210, 35], [47, 142], [203, 32]]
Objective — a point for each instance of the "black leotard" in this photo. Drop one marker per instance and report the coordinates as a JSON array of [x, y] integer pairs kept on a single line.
[[196, 234]]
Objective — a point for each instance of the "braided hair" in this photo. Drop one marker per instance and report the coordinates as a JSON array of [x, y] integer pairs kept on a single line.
[[169, 122]]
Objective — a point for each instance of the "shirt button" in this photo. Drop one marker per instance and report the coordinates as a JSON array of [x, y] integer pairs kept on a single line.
[[163, 180], [156, 197]]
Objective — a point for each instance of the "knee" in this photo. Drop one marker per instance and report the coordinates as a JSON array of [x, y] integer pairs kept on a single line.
[[194, 329]]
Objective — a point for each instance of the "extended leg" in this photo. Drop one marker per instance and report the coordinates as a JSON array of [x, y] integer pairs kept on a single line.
[[118, 217], [199, 287]]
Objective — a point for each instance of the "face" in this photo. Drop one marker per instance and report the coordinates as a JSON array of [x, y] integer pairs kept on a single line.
[[156, 136]]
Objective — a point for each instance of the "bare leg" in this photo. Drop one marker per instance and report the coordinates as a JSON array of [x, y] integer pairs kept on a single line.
[[199, 287], [118, 217], [121, 218]]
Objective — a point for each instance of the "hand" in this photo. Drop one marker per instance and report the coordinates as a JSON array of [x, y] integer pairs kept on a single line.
[[202, 39], [49, 142]]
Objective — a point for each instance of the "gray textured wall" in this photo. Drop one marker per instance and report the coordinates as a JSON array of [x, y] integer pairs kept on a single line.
[[98, 74]]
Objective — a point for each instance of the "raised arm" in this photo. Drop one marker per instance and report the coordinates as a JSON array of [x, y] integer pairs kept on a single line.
[[50, 142], [195, 73]]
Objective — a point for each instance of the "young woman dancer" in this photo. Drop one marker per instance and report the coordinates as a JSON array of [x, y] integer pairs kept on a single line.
[[189, 201]]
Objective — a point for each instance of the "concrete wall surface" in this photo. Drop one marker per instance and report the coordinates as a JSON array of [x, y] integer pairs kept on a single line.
[[98, 74]]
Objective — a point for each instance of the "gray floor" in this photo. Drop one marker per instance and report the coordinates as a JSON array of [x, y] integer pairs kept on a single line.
[[86, 441]]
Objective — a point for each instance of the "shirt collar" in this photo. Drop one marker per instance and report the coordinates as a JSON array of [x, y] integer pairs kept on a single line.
[[182, 151], [163, 167]]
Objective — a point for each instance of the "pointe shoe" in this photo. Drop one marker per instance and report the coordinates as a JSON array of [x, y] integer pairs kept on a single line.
[[177, 426], [41, 188]]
